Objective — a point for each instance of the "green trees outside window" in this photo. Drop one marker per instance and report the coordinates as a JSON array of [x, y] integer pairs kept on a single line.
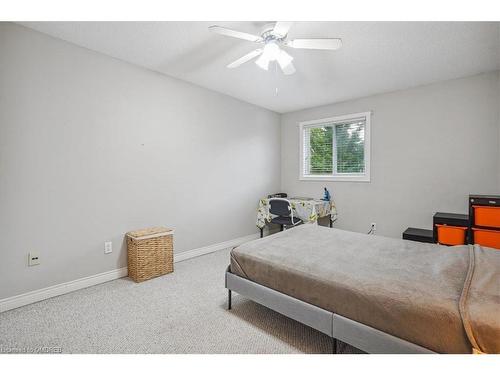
[[350, 148], [339, 145], [321, 150]]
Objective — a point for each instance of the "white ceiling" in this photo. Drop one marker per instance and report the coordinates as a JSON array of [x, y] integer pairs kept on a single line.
[[376, 56]]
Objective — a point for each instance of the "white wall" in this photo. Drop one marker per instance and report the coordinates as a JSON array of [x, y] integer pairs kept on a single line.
[[91, 147], [498, 106], [431, 147]]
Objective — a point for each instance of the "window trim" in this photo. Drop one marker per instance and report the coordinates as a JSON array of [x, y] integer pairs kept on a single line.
[[355, 177]]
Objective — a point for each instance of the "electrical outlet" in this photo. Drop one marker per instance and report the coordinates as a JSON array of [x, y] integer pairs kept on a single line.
[[108, 247], [33, 259], [374, 228]]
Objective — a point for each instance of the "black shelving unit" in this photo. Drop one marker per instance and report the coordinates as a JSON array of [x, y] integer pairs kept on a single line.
[[447, 218], [460, 220], [481, 200]]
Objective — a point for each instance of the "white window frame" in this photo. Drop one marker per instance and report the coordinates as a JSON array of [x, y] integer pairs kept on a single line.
[[353, 177]]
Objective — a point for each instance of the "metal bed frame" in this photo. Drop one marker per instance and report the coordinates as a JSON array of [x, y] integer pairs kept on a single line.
[[337, 327]]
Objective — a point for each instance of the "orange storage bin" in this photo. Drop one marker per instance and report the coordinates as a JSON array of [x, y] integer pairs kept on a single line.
[[450, 235], [487, 216], [486, 237]]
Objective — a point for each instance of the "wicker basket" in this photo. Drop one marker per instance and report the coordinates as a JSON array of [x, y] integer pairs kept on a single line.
[[150, 253]]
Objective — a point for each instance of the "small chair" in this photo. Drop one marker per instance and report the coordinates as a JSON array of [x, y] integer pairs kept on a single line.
[[283, 209]]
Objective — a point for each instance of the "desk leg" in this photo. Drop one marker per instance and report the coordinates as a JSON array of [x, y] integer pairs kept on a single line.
[[261, 232]]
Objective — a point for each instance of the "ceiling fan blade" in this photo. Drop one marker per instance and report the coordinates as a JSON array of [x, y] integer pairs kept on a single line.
[[281, 28], [328, 44], [244, 59], [235, 34]]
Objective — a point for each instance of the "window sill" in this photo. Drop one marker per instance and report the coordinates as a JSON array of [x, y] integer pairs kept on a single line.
[[362, 178]]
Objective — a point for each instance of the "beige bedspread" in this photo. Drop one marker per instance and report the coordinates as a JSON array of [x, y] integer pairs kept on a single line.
[[418, 292]]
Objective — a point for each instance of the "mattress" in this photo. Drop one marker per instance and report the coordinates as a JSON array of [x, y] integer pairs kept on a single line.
[[443, 298]]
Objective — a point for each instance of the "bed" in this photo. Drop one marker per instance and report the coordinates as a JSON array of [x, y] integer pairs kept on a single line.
[[378, 294]]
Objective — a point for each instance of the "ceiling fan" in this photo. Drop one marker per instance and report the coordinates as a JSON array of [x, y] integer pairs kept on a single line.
[[273, 38]]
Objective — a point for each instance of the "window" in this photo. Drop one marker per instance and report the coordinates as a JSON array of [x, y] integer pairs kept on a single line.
[[336, 149]]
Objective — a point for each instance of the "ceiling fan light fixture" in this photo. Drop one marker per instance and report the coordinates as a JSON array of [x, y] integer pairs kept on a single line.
[[271, 51], [262, 62], [284, 59]]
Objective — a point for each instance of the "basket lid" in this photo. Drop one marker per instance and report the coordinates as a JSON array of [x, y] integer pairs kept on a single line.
[[149, 232]]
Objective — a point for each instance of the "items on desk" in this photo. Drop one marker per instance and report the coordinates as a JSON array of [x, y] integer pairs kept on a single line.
[[326, 196]]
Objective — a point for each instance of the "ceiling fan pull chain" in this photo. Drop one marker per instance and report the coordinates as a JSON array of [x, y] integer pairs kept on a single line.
[[276, 78]]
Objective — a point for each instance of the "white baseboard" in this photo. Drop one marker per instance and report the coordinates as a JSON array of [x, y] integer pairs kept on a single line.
[[13, 302], [212, 248], [56, 290]]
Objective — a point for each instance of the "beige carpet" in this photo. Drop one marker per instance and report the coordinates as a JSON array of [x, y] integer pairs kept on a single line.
[[184, 312]]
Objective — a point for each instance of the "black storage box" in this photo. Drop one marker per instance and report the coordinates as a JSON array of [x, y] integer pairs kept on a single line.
[[420, 235]]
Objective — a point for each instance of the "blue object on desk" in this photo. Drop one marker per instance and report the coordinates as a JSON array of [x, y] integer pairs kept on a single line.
[[326, 196]]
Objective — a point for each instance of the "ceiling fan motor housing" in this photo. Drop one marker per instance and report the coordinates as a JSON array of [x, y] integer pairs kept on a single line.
[[268, 34]]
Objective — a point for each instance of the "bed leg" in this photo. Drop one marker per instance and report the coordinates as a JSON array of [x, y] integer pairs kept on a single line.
[[229, 299], [335, 345]]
